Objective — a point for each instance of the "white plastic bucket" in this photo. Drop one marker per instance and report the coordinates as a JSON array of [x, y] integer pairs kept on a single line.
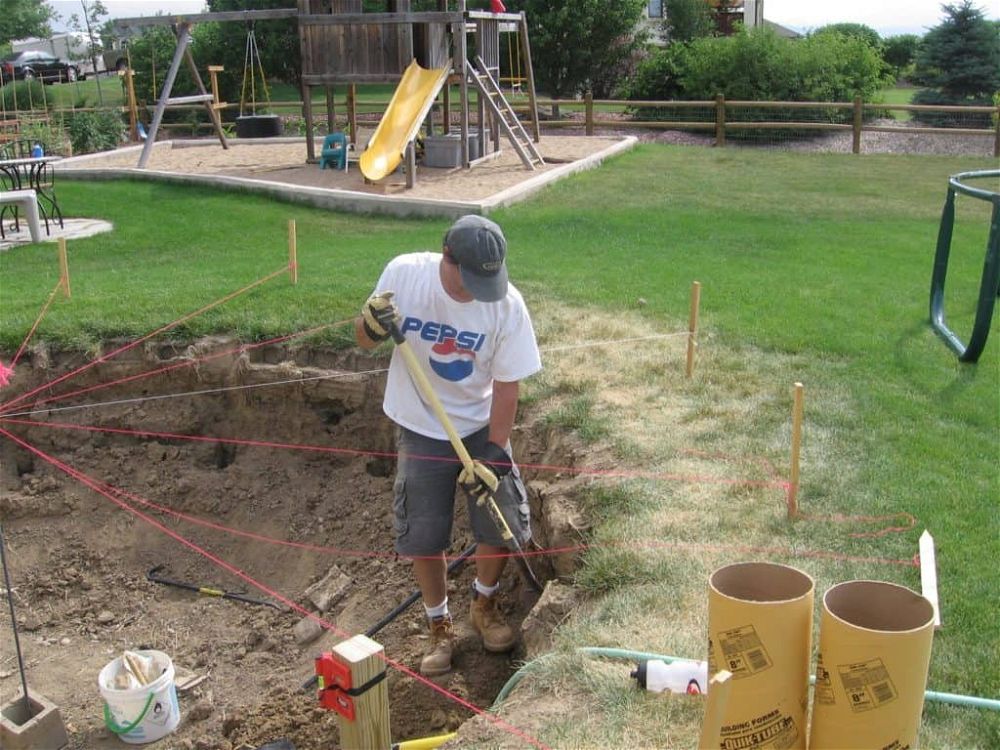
[[145, 714]]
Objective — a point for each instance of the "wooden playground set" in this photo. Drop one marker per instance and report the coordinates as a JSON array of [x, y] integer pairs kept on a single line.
[[426, 53]]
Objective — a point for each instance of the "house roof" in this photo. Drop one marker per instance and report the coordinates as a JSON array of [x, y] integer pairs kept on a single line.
[[782, 31]]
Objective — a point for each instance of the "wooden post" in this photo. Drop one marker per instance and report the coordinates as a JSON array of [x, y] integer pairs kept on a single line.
[[460, 43], [588, 101], [928, 574], [996, 134], [856, 142], [63, 267], [213, 111], [793, 480], [529, 73], [293, 261], [307, 115], [133, 110], [718, 699], [720, 120], [352, 112], [411, 165], [213, 74], [305, 54], [331, 110], [370, 728], [693, 325], [183, 39]]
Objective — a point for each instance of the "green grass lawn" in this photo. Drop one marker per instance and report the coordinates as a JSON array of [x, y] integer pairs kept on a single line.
[[815, 268]]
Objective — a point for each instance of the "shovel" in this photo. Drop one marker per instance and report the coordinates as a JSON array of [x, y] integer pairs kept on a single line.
[[417, 372]]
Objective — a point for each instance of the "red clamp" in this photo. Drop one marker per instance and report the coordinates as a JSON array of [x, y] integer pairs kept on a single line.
[[334, 679], [335, 690]]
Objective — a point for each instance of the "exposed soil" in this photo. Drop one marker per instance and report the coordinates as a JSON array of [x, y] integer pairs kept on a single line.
[[79, 560]]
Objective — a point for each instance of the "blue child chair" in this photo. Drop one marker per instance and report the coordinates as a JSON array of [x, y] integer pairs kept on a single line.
[[334, 151]]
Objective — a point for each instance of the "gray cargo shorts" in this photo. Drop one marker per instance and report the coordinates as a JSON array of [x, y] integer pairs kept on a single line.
[[424, 496]]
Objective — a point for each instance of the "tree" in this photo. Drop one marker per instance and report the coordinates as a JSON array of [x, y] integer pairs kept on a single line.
[[900, 51], [92, 14], [688, 19], [24, 18], [854, 30], [960, 57], [225, 44], [574, 44]]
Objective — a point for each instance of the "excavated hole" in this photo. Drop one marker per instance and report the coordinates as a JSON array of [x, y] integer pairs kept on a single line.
[[79, 561]]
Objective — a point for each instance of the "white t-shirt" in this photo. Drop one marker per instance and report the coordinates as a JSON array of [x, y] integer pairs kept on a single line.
[[463, 347]]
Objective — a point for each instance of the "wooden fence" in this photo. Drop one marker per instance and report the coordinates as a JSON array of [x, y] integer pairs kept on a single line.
[[719, 116], [723, 123]]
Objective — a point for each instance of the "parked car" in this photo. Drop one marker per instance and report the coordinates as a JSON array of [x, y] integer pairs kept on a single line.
[[35, 64]]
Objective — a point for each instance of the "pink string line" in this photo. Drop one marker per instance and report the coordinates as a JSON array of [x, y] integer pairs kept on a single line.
[[38, 320], [551, 551], [126, 347], [614, 473], [97, 487], [909, 519], [187, 363]]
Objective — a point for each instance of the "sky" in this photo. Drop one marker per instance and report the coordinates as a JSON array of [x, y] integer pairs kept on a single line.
[[887, 17]]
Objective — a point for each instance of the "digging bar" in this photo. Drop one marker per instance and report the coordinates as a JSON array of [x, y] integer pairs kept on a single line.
[[417, 372], [151, 576]]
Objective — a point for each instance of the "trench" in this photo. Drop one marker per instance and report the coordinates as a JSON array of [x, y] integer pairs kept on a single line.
[[217, 435]]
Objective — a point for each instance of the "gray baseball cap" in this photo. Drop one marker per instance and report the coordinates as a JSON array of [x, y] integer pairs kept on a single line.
[[479, 247]]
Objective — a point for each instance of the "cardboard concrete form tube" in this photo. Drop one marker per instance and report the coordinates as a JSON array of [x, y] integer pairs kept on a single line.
[[875, 650], [760, 630]]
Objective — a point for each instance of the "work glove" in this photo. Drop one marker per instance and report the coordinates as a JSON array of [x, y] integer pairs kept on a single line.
[[488, 468], [379, 313]]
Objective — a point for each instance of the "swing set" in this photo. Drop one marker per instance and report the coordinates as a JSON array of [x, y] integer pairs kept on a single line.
[[249, 124]]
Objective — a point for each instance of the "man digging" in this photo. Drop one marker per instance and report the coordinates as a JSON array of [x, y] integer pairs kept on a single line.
[[471, 327]]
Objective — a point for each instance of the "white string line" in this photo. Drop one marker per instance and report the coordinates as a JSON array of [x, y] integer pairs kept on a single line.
[[205, 392], [248, 386]]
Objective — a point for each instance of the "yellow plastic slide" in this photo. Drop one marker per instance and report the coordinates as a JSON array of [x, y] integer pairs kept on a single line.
[[401, 121]]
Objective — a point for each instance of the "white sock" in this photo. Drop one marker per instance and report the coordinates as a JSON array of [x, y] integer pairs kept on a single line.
[[485, 590], [440, 610]]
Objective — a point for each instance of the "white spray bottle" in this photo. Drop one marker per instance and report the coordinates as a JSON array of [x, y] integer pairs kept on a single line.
[[679, 676]]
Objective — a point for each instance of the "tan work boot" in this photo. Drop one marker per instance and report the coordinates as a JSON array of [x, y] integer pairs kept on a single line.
[[497, 635], [437, 660]]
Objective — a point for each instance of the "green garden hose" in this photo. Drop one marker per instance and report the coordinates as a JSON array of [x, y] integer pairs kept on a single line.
[[954, 699]]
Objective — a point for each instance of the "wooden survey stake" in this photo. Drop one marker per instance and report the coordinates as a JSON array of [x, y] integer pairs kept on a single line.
[[369, 730], [293, 259], [693, 325], [793, 479], [63, 267], [928, 574]]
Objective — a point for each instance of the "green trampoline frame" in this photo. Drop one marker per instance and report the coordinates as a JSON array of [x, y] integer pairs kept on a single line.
[[989, 286]]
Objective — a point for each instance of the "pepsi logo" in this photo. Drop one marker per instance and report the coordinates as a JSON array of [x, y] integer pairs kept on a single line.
[[452, 362]]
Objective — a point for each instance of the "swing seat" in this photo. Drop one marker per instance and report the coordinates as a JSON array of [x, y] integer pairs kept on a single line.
[[334, 151], [258, 126]]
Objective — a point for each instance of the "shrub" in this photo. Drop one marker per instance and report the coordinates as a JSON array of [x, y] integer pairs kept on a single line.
[[100, 130], [759, 65], [51, 136]]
